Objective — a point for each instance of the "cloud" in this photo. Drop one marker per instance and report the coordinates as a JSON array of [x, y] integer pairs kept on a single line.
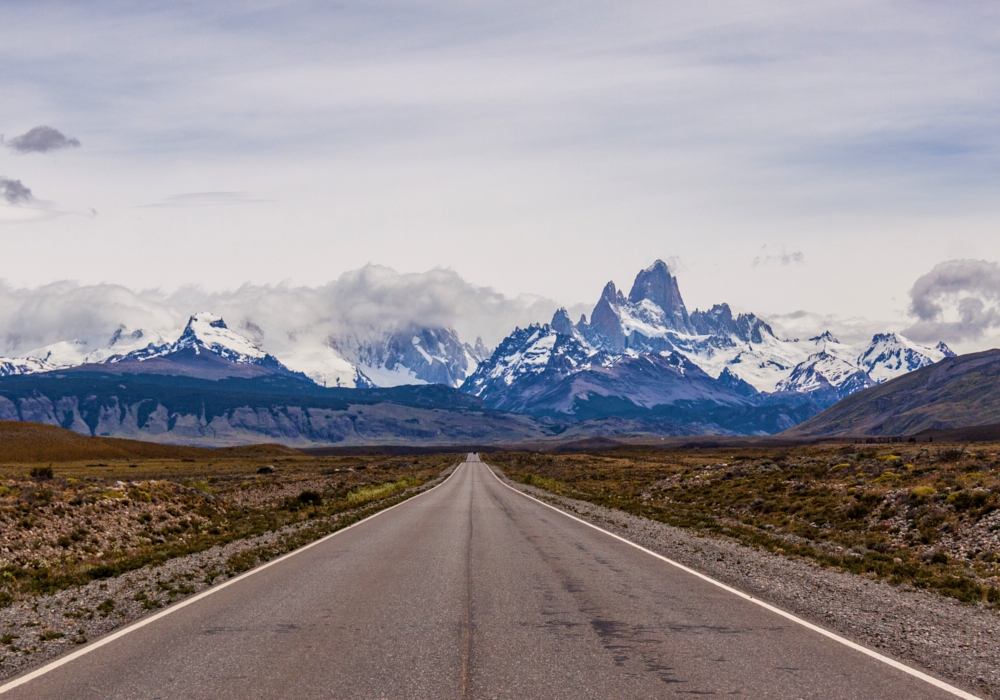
[[14, 191], [807, 324], [372, 300], [957, 300], [783, 258], [42, 139], [204, 199], [359, 304], [24, 207]]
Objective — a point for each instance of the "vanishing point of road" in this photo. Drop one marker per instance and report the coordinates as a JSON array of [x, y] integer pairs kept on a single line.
[[472, 590]]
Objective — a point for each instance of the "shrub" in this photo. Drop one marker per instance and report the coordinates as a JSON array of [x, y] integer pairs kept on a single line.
[[106, 607], [871, 498], [857, 511], [939, 558], [310, 498], [922, 494], [42, 473], [964, 500], [952, 454]]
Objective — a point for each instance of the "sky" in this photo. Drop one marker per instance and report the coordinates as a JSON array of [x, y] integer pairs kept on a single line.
[[821, 164]]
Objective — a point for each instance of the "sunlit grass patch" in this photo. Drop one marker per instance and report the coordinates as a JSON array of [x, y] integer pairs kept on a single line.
[[543, 483], [376, 491]]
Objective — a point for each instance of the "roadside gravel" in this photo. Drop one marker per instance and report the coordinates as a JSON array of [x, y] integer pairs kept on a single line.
[[945, 638], [40, 629]]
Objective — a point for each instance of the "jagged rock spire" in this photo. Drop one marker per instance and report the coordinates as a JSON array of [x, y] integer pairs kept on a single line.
[[561, 322], [656, 284]]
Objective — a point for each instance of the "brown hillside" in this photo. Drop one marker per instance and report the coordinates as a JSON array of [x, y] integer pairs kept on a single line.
[[34, 442], [957, 392]]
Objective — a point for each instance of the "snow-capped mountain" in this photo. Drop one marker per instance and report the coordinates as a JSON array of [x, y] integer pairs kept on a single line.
[[827, 374], [10, 366], [742, 353], [890, 355], [410, 355], [529, 361], [205, 332], [93, 350], [206, 348], [324, 365]]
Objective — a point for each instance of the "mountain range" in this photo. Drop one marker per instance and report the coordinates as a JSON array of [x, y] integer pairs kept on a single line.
[[363, 358], [642, 364], [645, 355]]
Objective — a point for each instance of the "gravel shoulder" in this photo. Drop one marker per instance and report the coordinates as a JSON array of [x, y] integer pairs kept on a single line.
[[45, 627], [956, 642]]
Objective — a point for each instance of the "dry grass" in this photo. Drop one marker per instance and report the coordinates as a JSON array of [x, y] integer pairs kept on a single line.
[[31, 443]]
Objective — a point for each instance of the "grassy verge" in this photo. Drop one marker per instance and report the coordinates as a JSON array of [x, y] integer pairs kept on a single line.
[[390, 494], [926, 517], [60, 531]]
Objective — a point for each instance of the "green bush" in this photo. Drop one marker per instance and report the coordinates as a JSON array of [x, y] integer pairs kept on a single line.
[[967, 499], [922, 494]]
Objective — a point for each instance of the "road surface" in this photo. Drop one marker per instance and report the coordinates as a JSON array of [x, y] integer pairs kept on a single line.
[[473, 590]]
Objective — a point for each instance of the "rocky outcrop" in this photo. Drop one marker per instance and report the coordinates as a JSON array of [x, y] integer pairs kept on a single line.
[[273, 408]]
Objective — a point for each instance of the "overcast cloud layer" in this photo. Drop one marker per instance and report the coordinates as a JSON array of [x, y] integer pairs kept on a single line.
[[360, 302], [790, 156], [956, 302]]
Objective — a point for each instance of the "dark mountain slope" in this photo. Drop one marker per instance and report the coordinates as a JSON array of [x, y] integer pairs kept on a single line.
[[954, 393], [271, 408]]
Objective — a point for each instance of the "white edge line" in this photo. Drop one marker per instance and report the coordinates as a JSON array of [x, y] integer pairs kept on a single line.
[[93, 646], [815, 628]]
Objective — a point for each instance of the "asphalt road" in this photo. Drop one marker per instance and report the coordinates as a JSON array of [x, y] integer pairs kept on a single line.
[[473, 590]]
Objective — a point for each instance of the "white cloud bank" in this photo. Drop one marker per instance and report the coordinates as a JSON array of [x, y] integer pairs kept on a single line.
[[360, 302], [958, 301]]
